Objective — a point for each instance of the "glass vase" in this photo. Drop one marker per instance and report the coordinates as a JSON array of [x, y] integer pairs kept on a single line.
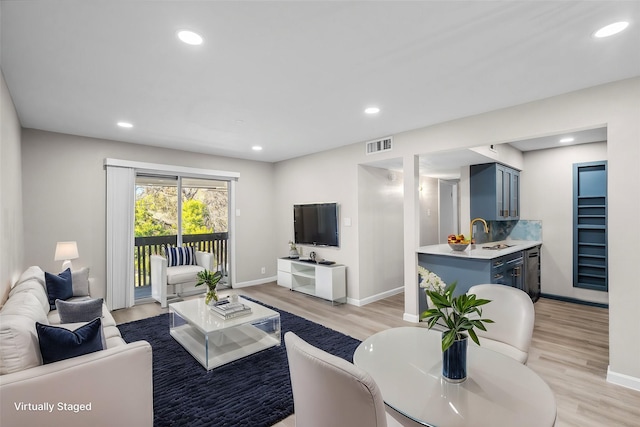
[[454, 361], [210, 298]]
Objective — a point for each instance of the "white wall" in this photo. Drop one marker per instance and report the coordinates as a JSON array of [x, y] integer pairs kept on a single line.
[[380, 231], [547, 195], [11, 238], [64, 185], [429, 211], [330, 176]]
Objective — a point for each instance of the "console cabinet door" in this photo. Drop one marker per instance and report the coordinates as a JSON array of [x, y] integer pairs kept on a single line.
[[330, 283], [284, 273]]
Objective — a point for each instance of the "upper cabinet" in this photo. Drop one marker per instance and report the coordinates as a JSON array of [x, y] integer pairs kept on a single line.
[[495, 192]]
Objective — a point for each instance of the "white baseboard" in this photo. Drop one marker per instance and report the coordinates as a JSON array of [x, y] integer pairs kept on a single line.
[[623, 380], [255, 282], [374, 298], [413, 318]]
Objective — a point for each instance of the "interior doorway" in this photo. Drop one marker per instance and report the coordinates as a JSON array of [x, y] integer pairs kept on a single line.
[[449, 218]]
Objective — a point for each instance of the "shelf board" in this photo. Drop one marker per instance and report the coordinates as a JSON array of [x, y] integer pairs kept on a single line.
[[308, 289], [591, 256], [305, 274], [595, 276]]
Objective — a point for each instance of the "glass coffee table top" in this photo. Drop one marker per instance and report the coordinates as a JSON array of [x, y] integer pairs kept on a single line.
[[214, 341]]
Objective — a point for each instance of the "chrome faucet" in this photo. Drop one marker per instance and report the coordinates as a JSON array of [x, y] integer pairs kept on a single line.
[[486, 229]]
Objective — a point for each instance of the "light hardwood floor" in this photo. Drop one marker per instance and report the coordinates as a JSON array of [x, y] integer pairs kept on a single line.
[[569, 349]]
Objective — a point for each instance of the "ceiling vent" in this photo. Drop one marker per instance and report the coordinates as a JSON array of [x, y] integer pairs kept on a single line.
[[379, 145]]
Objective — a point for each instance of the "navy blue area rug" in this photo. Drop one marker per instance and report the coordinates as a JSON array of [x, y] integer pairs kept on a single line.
[[254, 391]]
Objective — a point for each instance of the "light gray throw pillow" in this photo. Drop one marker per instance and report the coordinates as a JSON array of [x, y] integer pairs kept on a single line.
[[80, 282], [79, 311]]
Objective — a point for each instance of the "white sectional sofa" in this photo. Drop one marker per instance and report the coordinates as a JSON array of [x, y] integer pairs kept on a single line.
[[109, 387]]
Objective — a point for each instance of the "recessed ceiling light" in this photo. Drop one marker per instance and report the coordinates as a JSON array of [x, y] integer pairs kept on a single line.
[[256, 148], [372, 110], [566, 140], [189, 37], [611, 29], [125, 125]]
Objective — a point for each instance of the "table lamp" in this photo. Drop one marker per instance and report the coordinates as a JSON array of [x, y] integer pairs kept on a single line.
[[65, 252]]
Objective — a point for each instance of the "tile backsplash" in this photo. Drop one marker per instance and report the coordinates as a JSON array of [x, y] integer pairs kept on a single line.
[[526, 229], [502, 230]]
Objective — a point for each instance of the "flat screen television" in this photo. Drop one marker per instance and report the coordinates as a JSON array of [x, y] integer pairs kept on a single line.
[[316, 224]]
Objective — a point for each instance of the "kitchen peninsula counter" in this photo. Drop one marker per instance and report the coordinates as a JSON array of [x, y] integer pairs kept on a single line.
[[478, 265], [480, 252]]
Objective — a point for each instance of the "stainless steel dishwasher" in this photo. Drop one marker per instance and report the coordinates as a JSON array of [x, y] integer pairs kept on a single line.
[[532, 273]]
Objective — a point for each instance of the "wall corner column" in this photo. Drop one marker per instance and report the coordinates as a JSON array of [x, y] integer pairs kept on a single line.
[[411, 171]]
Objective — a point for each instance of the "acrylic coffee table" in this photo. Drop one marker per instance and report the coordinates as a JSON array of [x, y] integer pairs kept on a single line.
[[213, 341]]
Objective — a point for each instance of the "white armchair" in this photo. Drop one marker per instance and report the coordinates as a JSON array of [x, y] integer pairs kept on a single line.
[[179, 277]]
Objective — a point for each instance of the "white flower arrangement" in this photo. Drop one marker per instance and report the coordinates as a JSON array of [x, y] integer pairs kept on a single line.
[[429, 280]]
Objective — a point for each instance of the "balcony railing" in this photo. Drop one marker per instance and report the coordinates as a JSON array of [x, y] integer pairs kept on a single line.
[[215, 243]]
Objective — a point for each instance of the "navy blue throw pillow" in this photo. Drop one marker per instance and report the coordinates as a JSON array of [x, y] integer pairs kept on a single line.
[[59, 343], [182, 255], [58, 287]]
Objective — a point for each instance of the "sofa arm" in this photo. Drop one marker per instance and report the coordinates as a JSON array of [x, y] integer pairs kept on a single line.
[[106, 388], [204, 259]]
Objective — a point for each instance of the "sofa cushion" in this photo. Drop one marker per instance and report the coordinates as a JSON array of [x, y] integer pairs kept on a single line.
[[80, 282], [19, 348], [25, 304], [183, 255], [115, 341], [183, 274], [34, 288], [57, 343], [79, 311], [33, 273], [58, 287]]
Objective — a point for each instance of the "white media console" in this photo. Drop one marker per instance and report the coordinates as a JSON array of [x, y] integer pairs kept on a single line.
[[324, 281]]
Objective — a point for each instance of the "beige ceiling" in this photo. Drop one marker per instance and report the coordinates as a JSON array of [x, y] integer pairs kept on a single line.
[[295, 77]]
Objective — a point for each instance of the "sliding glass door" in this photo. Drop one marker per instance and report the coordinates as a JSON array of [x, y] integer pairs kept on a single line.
[[182, 211], [205, 219]]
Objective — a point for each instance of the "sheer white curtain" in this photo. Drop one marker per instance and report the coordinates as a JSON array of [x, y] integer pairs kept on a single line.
[[120, 236]]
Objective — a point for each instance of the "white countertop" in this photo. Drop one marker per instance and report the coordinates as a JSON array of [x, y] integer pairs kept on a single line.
[[478, 252]]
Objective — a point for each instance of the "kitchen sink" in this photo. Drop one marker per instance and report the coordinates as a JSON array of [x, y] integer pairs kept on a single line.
[[497, 246]]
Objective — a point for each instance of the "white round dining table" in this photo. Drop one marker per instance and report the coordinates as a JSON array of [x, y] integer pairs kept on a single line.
[[406, 363]]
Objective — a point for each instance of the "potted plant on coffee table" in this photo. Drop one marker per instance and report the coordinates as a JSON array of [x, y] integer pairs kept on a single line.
[[452, 315], [211, 279]]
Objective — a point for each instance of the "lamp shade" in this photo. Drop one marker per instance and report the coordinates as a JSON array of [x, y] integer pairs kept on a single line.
[[66, 251]]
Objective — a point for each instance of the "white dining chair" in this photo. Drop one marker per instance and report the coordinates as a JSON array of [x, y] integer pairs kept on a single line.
[[512, 311], [329, 391]]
